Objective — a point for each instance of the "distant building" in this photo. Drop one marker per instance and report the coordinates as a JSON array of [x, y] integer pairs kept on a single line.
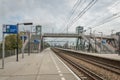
[[79, 29]]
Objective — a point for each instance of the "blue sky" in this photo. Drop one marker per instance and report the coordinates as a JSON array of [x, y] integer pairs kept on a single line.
[[55, 14]]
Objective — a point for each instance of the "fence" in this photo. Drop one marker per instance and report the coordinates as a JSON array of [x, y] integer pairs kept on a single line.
[[8, 53]]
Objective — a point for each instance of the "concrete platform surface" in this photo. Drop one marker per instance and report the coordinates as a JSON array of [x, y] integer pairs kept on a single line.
[[39, 66], [109, 56]]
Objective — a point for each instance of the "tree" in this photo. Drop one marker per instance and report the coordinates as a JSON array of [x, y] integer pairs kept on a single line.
[[0, 46], [11, 42]]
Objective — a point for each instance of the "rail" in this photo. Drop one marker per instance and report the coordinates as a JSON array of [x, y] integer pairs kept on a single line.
[[105, 63], [90, 75]]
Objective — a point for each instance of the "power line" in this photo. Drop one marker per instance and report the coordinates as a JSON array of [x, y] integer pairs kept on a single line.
[[83, 12], [107, 20], [77, 4], [80, 14]]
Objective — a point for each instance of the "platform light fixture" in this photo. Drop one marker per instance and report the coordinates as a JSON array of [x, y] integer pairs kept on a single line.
[[28, 23]]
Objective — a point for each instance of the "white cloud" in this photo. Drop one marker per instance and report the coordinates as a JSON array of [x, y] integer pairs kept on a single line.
[[55, 13], [114, 8]]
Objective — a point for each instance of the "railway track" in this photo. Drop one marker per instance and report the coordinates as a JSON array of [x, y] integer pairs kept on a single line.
[[95, 61], [88, 73], [108, 64], [101, 64]]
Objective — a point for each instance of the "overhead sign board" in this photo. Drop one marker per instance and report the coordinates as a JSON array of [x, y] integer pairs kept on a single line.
[[103, 41], [23, 37], [36, 41], [10, 29]]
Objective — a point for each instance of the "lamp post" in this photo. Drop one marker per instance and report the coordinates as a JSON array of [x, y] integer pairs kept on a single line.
[[3, 50], [101, 40], [17, 37], [52, 30], [23, 43], [89, 38], [94, 39], [112, 31], [67, 29]]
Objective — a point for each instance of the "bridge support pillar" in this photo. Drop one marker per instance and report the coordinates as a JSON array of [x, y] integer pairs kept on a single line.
[[80, 44], [118, 33], [77, 44], [39, 32]]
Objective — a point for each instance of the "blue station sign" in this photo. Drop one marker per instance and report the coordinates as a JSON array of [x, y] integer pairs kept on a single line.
[[10, 29], [103, 41], [23, 37], [36, 41]]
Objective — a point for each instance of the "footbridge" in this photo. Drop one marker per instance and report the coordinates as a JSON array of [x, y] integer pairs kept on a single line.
[[93, 41], [74, 35]]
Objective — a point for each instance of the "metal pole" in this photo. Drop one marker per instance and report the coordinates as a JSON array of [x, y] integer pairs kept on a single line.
[[17, 43], [101, 41], [118, 33], [43, 44], [89, 39], [30, 39], [112, 32], [94, 39], [23, 47], [119, 45], [41, 37], [29, 45], [3, 52], [52, 30], [95, 45], [67, 29]]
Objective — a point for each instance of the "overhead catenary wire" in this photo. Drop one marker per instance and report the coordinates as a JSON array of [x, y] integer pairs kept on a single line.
[[79, 3], [110, 18], [82, 12], [107, 20], [76, 5], [116, 3]]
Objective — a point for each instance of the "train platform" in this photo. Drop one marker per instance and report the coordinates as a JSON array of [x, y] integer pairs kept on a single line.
[[40, 66], [108, 56]]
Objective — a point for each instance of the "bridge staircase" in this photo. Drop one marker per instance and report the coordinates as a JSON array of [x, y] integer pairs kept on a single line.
[[92, 43], [105, 48], [29, 45]]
